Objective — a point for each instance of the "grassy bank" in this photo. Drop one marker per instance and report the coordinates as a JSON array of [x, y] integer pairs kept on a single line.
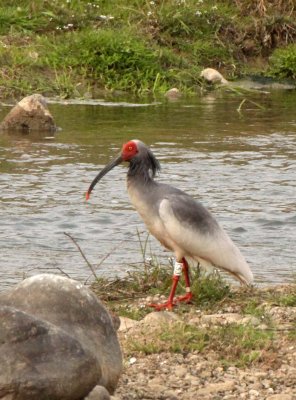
[[75, 48], [265, 312]]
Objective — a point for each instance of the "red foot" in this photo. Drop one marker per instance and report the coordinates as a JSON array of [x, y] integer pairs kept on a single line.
[[186, 297], [164, 306]]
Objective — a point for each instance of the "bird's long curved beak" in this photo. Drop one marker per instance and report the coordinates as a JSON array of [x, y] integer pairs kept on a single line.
[[104, 171]]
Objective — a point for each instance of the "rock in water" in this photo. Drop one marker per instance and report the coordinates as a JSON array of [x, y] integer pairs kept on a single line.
[[73, 309], [30, 114], [173, 94], [38, 360], [213, 76]]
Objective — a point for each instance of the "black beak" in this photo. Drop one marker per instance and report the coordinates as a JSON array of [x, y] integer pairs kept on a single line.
[[104, 171]]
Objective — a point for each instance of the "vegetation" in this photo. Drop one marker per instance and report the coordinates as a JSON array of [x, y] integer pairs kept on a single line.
[[73, 48], [235, 344], [283, 62]]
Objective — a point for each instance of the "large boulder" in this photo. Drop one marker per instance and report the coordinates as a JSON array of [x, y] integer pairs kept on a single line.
[[40, 360], [74, 310], [30, 114]]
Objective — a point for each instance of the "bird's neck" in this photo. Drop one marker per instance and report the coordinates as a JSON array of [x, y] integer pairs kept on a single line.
[[139, 180], [143, 170]]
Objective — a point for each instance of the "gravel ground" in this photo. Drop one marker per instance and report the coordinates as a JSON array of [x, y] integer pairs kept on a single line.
[[195, 375]]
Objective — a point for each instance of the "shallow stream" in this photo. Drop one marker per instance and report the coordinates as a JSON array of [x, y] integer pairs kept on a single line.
[[240, 165]]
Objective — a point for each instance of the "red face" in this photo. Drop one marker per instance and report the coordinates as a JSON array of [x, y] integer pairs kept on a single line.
[[129, 150]]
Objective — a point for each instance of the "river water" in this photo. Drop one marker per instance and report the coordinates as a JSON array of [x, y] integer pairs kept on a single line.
[[241, 165]]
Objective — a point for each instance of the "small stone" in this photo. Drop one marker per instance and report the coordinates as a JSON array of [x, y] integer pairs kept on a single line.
[[256, 386], [225, 319], [254, 393], [158, 318], [126, 324], [249, 319], [132, 360], [98, 393], [212, 388], [171, 395], [265, 383], [180, 371], [173, 93], [211, 75], [156, 381], [281, 396], [156, 388]]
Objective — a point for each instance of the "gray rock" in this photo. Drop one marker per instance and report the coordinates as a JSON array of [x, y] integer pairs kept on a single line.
[[30, 114], [39, 360], [76, 310], [98, 393]]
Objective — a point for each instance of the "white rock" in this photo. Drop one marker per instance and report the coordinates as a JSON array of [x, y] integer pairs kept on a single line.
[[126, 324], [211, 75], [98, 393], [159, 318]]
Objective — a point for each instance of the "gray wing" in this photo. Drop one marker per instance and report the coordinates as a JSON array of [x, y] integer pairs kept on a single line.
[[199, 235], [192, 213]]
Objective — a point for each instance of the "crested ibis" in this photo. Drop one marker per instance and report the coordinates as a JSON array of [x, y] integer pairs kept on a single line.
[[180, 223]]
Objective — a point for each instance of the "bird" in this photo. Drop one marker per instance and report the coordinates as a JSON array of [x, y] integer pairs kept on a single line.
[[179, 222]]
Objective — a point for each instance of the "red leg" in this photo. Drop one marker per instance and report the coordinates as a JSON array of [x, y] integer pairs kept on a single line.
[[188, 296], [170, 302]]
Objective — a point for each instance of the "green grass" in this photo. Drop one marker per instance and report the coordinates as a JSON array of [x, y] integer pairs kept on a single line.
[[234, 344], [283, 63], [67, 48], [286, 300], [151, 278]]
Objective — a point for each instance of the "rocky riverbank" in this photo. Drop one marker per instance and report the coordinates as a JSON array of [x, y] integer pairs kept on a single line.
[[241, 348]]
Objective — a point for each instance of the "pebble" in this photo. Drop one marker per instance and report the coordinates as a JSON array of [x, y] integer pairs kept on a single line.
[[180, 371], [254, 393], [98, 393]]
